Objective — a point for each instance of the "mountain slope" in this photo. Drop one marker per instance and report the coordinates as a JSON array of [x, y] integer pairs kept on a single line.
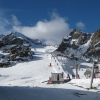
[[29, 73], [28, 81], [16, 47]]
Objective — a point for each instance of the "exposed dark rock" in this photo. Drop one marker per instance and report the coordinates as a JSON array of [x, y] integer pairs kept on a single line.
[[18, 48], [17, 41], [62, 47], [96, 37], [2, 44], [80, 36]]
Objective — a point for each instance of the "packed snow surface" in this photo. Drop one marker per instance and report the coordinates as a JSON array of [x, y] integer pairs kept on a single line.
[[28, 80]]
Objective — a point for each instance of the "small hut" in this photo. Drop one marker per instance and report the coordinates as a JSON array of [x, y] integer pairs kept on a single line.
[[57, 78]]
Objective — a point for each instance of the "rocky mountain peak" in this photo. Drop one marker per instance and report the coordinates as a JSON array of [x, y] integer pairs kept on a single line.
[[96, 37]]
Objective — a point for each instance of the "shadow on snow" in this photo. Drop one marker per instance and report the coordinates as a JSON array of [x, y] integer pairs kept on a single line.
[[37, 93]]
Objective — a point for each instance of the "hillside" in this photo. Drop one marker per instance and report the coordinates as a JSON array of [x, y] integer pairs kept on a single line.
[[80, 44], [15, 48]]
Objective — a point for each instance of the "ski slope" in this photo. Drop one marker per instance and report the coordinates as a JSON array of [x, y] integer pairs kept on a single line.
[[32, 72], [27, 81]]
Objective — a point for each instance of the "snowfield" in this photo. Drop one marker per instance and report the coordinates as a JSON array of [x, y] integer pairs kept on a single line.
[[28, 80]]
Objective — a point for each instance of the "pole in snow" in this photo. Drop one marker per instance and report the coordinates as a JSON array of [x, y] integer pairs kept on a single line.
[[76, 69], [92, 75], [94, 62]]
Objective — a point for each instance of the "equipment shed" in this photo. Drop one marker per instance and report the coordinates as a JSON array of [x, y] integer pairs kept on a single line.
[[57, 78]]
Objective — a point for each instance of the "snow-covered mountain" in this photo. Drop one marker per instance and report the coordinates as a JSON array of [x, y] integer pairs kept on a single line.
[[18, 38], [78, 47], [80, 44], [74, 40], [16, 47]]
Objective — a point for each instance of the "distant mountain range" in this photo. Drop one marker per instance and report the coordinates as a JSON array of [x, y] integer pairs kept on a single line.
[[77, 45], [17, 38]]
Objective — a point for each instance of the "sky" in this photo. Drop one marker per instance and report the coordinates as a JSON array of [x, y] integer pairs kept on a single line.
[[49, 20]]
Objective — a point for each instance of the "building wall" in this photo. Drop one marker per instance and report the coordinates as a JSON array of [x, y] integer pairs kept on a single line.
[[57, 77]]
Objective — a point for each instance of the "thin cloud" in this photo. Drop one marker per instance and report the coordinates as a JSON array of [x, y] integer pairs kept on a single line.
[[80, 25], [15, 21], [4, 24]]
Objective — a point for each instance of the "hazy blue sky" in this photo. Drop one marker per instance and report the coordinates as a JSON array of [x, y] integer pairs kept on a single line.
[[49, 18]]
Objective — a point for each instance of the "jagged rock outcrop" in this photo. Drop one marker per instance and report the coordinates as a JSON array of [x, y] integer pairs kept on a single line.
[[96, 37], [73, 40], [81, 44], [17, 48], [94, 49]]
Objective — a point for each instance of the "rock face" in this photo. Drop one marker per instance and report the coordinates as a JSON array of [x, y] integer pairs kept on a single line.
[[73, 40], [76, 34], [82, 44], [62, 47], [13, 39], [14, 47], [81, 36], [95, 45], [96, 37]]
